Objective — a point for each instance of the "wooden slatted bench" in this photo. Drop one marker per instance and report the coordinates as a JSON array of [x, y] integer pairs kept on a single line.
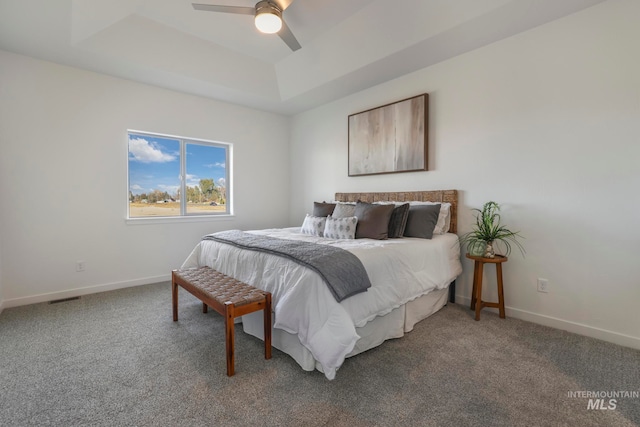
[[229, 297]]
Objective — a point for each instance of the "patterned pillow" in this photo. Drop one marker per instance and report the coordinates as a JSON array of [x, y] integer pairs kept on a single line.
[[313, 225], [341, 228]]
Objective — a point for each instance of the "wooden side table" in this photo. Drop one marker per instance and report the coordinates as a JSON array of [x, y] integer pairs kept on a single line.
[[476, 294]]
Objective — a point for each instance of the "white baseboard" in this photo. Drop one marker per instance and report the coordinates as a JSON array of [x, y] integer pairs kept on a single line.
[[565, 325], [51, 296]]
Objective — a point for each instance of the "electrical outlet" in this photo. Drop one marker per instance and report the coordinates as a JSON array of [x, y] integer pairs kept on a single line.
[[543, 285], [80, 265]]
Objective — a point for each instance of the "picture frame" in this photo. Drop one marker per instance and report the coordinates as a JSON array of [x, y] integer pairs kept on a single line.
[[391, 138]]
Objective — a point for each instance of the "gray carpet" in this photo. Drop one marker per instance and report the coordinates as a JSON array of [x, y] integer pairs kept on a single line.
[[117, 359]]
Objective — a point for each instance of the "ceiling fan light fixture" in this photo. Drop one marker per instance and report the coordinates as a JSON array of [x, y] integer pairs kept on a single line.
[[268, 17]]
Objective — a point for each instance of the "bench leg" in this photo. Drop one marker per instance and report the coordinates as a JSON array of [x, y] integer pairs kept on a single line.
[[267, 327], [230, 336], [174, 298], [205, 309]]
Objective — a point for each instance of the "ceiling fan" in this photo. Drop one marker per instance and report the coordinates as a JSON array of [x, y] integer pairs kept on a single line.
[[268, 17]]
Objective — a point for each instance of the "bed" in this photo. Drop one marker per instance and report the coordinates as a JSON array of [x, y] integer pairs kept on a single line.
[[411, 278]]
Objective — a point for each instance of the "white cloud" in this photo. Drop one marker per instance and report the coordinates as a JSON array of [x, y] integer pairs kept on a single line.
[[192, 180], [222, 182], [148, 152], [216, 165], [136, 187]]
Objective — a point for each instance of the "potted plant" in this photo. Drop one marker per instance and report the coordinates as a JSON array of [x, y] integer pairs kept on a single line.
[[488, 231]]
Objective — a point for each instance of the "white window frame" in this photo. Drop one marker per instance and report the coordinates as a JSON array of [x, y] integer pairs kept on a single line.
[[184, 216]]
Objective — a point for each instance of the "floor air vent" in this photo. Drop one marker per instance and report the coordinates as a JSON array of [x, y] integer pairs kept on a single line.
[[55, 301]]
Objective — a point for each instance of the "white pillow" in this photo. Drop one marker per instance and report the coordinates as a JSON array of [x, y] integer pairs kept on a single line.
[[340, 228], [444, 217], [313, 225]]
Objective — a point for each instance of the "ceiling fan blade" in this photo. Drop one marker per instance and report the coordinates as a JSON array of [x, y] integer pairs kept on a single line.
[[287, 36], [226, 9]]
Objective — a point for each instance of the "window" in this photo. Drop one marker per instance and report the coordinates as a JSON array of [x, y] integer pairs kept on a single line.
[[173, 177]]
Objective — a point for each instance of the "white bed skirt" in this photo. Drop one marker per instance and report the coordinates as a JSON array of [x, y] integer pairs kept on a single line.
[[392, 325]]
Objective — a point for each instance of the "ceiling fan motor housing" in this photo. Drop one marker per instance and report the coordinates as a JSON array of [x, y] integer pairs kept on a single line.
[[268, 17]]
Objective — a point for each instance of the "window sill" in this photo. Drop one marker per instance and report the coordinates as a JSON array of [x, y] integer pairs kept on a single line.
[[178, 219]]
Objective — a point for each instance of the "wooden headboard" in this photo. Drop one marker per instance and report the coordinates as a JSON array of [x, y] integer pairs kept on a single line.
[[442, 196]]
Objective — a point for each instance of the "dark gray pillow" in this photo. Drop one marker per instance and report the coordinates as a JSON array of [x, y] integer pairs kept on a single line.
[[373, 220], [421, 221], [398, 221], [323, 208]]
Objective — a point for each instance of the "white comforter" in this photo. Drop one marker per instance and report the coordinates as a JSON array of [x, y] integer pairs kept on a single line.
[[400, 270]]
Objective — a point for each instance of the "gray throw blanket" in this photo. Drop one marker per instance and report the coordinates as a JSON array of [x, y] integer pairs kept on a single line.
[[341, 270]]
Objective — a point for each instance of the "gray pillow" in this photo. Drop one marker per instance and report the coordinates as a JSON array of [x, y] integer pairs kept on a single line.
[[398, 221], [323, 208], [373, 220], [344, 210], [421, 221]]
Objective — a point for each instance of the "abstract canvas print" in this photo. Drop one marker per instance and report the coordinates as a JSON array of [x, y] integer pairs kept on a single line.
[[391, 138]]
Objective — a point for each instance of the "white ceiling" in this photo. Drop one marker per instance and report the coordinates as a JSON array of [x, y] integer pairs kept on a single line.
[[347, 45]]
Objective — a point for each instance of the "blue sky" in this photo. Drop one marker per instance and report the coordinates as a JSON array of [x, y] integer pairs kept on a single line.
[[154, 163]]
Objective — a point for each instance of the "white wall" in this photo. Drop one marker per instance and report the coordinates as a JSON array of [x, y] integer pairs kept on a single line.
[[1, 292], [547, 123], [63, 166]]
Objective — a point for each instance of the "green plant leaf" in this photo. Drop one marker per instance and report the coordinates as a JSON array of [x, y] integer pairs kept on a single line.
[[488, 228]]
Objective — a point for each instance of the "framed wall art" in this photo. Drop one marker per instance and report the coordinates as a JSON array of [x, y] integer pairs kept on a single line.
[[389, 139]]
